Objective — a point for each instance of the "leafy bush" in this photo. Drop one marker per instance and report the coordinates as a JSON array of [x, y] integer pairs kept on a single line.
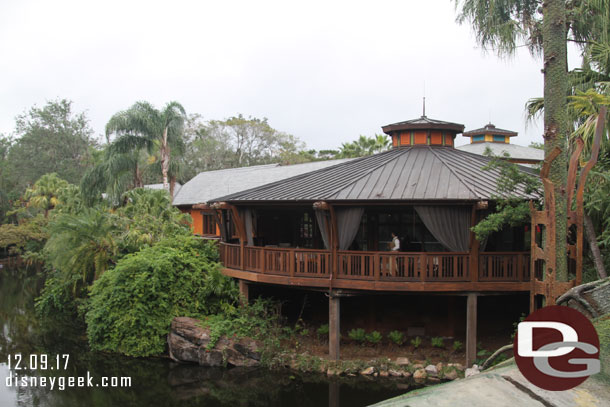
[[374, 337], [457, 346], [482, 355], [397, 337], [323, 331], [437, 342], [416, 342], [358, 335], [258, 320], [131, 306]]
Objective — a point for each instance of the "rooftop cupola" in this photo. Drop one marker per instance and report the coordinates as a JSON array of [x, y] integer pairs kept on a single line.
[[423, 132], [490, 134]]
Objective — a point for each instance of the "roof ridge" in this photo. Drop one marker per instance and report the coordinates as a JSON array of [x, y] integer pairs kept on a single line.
[[454, 173], [371, 170]]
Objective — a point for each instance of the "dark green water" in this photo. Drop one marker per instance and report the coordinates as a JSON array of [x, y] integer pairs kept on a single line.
[[154, 382]]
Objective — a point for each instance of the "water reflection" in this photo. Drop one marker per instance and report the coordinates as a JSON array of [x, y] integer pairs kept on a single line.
[[155, 382]]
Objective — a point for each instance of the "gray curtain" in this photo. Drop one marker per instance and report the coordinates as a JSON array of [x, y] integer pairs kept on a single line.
[[348, 222], [322, 218], [246, 215], [450, 225]]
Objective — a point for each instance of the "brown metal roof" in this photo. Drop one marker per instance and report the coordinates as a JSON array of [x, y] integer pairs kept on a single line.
[[421, 173], [423, 123], [490, 129]]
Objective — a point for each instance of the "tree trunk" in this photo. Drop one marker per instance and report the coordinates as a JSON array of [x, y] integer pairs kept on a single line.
[[165, 160], [555, 119], [137, 181], [172, 187], [595, 253]]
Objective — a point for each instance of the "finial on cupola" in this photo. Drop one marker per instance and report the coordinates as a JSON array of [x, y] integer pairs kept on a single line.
[[424, 111]]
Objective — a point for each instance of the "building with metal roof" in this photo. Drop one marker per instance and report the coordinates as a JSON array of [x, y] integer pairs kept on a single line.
[[497, 141], [397, 221], [210, 184], [413, 173]]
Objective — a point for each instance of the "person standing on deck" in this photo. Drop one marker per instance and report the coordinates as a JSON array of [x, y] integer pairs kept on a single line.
[[395, 247], [395, 242]]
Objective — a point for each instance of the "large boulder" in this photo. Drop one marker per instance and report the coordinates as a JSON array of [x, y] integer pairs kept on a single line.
[[189, 342]]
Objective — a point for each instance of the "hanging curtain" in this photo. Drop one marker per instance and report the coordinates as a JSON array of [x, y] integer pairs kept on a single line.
[[450, 225], [322, 218], [246, 215], [348, 222]]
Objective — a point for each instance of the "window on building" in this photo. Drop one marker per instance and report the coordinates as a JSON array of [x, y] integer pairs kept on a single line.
[[209, 224]]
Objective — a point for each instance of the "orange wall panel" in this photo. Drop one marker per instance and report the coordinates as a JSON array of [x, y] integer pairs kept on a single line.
[[197, 225], [448, 140], [420, 137], [405, 139], [436, 138], [394, 140]]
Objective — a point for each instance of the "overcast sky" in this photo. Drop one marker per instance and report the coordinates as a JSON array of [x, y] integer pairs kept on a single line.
[[325, 72]]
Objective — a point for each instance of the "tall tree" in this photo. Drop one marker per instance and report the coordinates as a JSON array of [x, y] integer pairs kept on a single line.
[[50, 139], [500, 24], [251, 141], [144, 127], [556, 129]]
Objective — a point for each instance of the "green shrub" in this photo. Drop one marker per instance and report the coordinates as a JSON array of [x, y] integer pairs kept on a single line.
[[322, 331], [131, 306], [374, 337], [482, 355], [397, 337], [358, 335], [437, 342], [258, 320], [457, 346], [416, 342]]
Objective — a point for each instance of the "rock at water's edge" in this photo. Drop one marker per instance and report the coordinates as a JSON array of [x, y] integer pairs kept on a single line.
[[188, 342]]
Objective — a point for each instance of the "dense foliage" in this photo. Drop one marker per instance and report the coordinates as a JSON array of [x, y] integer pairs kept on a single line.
[[133, 304], [509, 210]]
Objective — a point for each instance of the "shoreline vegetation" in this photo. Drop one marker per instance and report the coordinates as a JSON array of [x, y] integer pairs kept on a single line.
[[121, 273]]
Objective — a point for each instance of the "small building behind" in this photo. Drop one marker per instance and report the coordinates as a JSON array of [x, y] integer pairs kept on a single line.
[[498, 141]]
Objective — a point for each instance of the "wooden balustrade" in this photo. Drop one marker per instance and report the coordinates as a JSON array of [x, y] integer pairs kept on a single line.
[[230, 255], [432, 267], [504, 266]]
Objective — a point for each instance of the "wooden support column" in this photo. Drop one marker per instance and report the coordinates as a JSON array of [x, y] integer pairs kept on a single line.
[[471, 329], [334, 329], [244, 291], [474, 248], [334, 243]]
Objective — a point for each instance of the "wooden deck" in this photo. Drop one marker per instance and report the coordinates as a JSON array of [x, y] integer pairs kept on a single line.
[[379, 271]]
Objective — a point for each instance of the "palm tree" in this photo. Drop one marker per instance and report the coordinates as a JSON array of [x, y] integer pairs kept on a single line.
[[43, 194], [144, 127], [83, 244], [113, 176], [382, 143]]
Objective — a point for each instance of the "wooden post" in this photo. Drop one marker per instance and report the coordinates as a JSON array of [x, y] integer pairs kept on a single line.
[[474, 250], [244, 291], [334, 243], [471, 329], [334, 329]]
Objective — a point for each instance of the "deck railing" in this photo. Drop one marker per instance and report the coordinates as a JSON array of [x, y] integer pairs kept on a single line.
[[378, 266]]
